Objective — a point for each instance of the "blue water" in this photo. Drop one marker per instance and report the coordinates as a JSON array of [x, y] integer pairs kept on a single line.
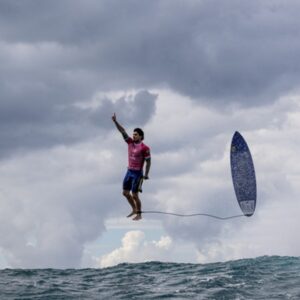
[[259, 278]]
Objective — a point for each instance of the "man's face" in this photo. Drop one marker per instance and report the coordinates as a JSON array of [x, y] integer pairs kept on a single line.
[[136, 137]]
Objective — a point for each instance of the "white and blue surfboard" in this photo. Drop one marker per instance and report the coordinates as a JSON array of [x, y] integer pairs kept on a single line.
[[243, 174]]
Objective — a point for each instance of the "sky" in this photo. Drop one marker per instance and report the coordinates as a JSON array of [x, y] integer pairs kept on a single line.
[[190, 73]]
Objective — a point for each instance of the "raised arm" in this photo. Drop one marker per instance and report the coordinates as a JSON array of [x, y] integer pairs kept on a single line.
[[119, 127]]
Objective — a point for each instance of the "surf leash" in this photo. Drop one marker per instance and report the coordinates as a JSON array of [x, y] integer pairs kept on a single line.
[[190, 215]]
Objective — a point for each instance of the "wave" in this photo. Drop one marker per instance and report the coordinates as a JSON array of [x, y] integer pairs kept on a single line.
[[267, 277]]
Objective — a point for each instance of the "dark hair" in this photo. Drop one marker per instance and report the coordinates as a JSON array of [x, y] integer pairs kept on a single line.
[[140, 132]]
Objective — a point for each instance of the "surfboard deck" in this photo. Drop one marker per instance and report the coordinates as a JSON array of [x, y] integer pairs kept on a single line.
[[243, 174]]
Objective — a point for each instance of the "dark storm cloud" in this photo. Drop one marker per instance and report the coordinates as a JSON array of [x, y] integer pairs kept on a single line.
[[227, 50], [57, 53], [39, 125], [131, 110]]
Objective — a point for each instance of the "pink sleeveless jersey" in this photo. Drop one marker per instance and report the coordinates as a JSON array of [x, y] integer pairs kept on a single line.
[[137, 153]]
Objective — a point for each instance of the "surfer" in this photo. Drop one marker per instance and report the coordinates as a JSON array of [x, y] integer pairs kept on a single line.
[[138, 153]]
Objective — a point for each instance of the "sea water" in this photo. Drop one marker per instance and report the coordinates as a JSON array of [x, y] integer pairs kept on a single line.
[[259, 278]]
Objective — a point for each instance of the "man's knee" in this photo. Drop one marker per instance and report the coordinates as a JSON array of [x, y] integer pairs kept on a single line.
[[126, 193]]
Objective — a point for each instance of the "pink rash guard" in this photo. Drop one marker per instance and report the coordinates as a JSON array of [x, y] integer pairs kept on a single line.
[[137, 154]]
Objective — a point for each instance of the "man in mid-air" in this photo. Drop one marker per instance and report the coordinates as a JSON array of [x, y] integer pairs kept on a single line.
[[138, 153]]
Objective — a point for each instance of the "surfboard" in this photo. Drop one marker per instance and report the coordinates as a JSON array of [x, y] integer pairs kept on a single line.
[[243, 174]]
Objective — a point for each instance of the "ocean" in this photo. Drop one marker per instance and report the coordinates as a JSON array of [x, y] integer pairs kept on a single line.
[[268, 277]]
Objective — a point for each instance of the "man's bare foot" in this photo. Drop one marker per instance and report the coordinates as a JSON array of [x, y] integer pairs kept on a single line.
[[137, 217], [131, 214]]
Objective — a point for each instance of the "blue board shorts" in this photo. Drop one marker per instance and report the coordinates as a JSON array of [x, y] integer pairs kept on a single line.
[[132, 180]]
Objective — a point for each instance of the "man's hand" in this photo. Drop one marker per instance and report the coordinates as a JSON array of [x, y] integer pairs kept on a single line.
[[114, 117]]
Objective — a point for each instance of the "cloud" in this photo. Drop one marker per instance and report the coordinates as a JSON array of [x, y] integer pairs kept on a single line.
[[55, 201], [135, 249], [193, 176], [131, 109], [35, 126], [189, 73], [259, 236], [79, 48]]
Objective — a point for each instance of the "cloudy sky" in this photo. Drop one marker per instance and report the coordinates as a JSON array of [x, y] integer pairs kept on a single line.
[[190, 73]]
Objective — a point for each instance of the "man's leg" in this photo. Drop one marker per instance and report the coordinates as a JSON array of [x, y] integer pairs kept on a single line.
[[127, 185], [131, 201], [138, 205]]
